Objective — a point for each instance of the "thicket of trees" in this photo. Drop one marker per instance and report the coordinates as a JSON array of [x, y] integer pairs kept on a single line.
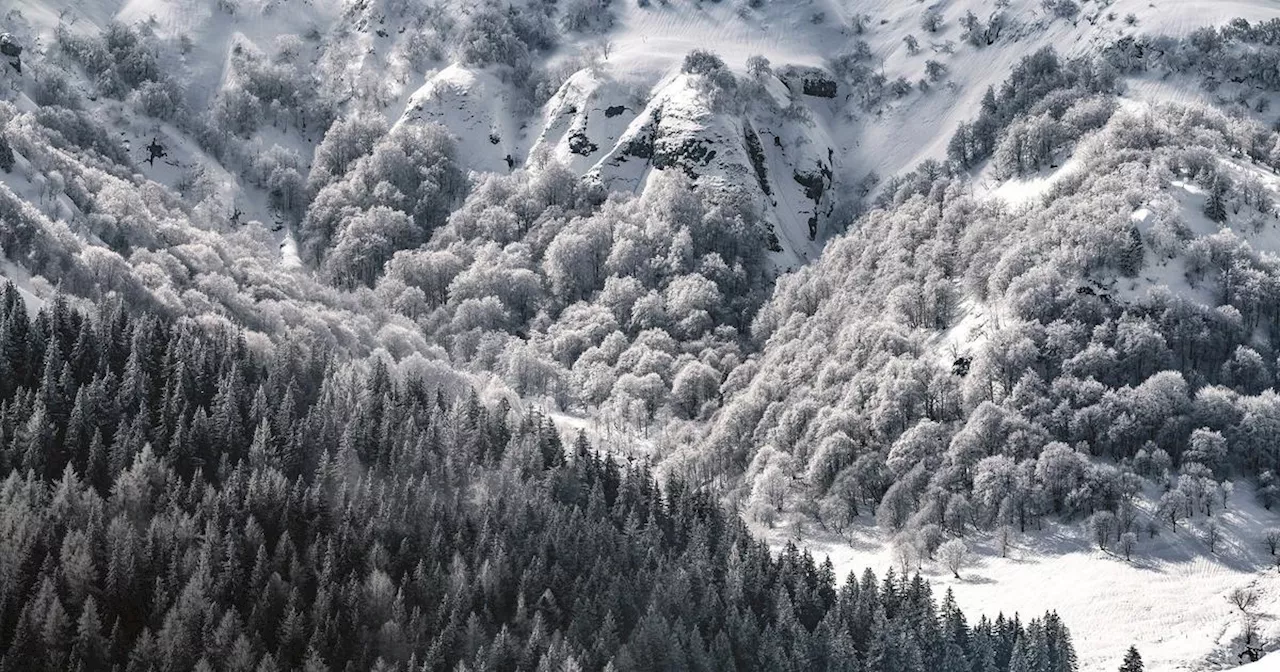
[[648, 308], [389, 200], [1045, 103], [1239, 53], [853, 408], [633, 305], [173, 500]]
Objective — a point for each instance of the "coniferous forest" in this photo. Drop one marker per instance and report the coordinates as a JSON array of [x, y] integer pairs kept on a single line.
[[174, 501]]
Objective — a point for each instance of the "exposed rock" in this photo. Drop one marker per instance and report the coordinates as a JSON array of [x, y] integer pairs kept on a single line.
[[581, 121], [815, 185], [689, 154], [819, 87], [580, 144], [641, 145], [756, 152], [11, 50], [814, 82], [9, 45]]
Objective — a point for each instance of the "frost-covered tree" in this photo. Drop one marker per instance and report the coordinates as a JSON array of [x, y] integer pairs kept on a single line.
[[1215, 204], [954, 556], [931, 20]]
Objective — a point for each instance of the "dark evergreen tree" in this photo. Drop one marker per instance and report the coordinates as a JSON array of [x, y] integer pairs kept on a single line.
[[1215, 204], [1132, 661]]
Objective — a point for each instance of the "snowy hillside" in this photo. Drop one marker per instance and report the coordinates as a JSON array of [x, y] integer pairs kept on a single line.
[[942, 349], [1264, 665], [909, 283], [800, 153], [1173, 602]]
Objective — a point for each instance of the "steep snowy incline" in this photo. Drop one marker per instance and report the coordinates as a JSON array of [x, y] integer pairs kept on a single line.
[[800, 152]]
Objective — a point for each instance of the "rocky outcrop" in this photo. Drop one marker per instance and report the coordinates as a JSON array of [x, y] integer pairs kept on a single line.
[[11, 50], [758, 159], [474, 106], [588, 114], [680, 129], [813, 82]]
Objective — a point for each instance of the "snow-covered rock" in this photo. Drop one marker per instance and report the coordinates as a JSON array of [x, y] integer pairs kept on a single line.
[[474, 105], [585, 119]]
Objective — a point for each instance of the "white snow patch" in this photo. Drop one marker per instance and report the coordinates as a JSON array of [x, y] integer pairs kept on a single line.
[[1170, 601], [473, 105], [10, 271], [968, 334], [1020, 190], [623, 442]]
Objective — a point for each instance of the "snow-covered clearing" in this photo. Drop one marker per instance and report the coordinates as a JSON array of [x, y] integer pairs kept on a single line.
[[1170, 600], [1022, 190], [968, 333], [624, 442], [10, 272], [1186, 206]]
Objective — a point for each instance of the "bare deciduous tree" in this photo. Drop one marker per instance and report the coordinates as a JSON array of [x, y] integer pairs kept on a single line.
[[905, 554], [1004, 537], [1212, 535], [1272, 540], [1243, 598]]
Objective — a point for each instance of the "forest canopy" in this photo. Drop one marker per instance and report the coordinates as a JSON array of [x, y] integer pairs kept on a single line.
[[174, 501]]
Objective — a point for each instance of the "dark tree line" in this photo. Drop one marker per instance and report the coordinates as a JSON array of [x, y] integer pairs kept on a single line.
[[174, 501]]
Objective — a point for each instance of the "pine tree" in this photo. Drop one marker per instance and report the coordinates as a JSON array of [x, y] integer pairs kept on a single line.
[[1020, 659], [1132, 661], [89, 649], [1215, 206], [1132, 255]]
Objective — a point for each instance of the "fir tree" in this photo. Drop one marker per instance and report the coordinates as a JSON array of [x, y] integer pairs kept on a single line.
[[1132, 661]]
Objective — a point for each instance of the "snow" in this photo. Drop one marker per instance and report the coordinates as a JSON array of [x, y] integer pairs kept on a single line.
[[473, 105], [1267, 664], [289, 252], [587, 116], [648, 44], [624, 442], [10, 272], [967, 335], [637, 76], [1185, 203], [1021, 190], [1170, 601]]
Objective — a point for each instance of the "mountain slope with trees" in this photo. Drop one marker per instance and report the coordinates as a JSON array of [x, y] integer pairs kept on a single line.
[[175, 502], [277, 246]]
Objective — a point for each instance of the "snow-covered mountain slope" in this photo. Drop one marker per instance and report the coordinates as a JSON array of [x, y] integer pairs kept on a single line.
[[886, 357], [631, 110], [801, 152], [473, 105]]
